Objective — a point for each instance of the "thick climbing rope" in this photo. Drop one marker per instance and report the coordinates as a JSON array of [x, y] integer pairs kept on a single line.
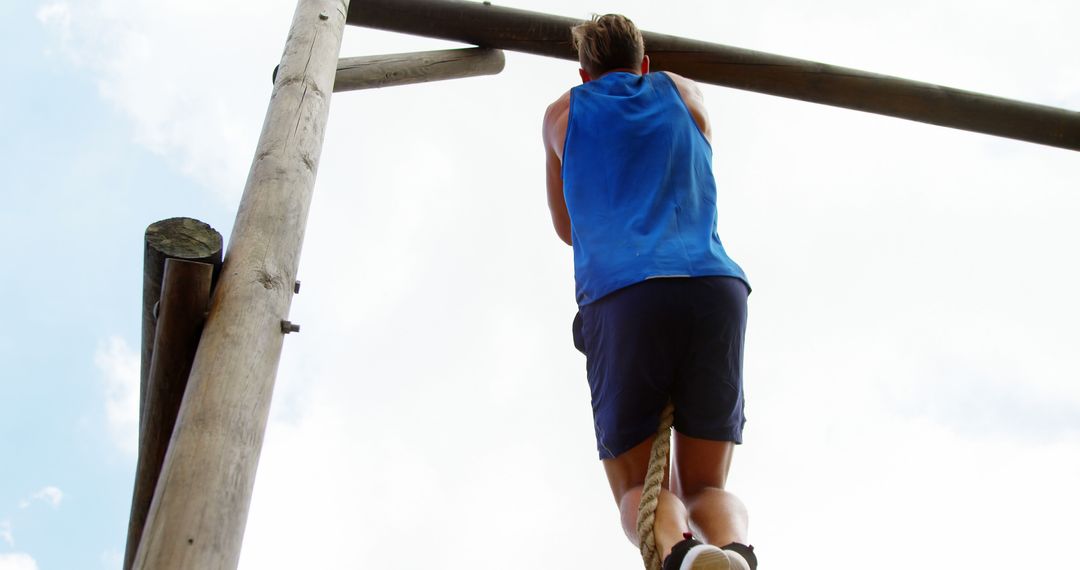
[[650, 494]]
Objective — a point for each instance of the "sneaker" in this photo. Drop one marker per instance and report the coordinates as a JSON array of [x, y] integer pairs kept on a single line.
[[709, 557], [691, 554]]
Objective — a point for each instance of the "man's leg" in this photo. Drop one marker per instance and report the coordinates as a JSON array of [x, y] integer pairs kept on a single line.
[[626, 475], [701, 469], [709, 404]]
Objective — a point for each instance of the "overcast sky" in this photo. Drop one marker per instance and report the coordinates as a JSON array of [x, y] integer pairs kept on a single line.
[[912, 366]]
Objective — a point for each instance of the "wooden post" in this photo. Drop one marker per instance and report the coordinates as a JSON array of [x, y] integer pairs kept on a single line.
[[407, 68], [179, 238], [185, 298], [200, 505], [543, 34]]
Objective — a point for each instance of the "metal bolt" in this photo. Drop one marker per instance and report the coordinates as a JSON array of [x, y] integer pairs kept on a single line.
[[288, 327], [296, 287], [323, 16]]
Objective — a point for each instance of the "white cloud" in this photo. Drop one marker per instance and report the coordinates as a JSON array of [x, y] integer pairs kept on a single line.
[[119, 367], [436, 315], [911, 347], [112, 559], [57, 15], [188, 97], [17, 561], [49, 495], [5, 533]]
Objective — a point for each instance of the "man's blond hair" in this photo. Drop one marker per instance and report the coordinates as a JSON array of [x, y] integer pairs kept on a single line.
[[608, 42]]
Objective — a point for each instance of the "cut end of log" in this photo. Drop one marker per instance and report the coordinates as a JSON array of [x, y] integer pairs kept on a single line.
[[183, 238]]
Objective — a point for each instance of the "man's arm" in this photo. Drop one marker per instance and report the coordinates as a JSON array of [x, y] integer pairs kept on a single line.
[[554, 135]]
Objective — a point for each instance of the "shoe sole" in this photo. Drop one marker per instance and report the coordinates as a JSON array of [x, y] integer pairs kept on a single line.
[[719, 560]]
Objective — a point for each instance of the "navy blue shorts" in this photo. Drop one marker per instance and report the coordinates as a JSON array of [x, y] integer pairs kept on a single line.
[[672, 338]]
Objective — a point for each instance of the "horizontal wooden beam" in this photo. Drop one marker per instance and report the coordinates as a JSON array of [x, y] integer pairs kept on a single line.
[[543, 34], [374, 71]]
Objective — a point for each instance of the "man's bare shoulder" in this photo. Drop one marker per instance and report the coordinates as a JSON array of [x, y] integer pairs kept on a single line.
[[686, 86], [555, 119], [561, 106], [695, 101]]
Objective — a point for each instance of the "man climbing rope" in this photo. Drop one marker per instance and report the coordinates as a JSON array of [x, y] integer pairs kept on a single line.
[[662, 308]]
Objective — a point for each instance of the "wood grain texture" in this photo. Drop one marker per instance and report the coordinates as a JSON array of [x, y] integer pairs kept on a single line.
[[375, 71], [201, 502], [543, 34], [174, 238], [185, 298]]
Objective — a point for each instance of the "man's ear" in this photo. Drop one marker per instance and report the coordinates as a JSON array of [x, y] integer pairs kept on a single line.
[[644, 65], [585, 77]]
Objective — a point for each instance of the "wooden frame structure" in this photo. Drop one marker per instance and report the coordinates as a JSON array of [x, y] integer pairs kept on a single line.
[[200, 500], [542, 34]]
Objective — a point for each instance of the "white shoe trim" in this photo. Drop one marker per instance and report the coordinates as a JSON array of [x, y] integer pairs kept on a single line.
[[693, 553]]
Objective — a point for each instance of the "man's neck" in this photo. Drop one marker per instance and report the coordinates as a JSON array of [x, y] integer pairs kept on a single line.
[[620, 69]]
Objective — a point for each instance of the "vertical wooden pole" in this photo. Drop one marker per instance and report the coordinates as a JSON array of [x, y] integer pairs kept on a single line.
[[174, 238], [185, 297], [201, 502]]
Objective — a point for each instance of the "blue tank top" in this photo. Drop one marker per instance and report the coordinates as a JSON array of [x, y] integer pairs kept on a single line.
[[639, 187]]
